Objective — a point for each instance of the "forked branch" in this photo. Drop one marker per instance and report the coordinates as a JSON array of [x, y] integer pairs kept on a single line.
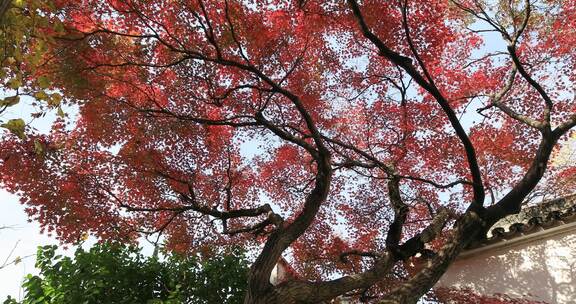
[[406, 64]]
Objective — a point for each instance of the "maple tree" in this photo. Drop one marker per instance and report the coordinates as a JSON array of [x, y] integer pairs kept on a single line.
[[348, 136]]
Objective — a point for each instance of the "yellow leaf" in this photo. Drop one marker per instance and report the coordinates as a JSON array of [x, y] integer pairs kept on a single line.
[[60, 112], [59, 27], [11, 60], [55, 99], [16, 126], [14, 83], [41, 95], [38, 147], [18, 3]]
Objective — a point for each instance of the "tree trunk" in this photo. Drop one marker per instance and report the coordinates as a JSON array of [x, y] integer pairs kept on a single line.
[[271, 297]]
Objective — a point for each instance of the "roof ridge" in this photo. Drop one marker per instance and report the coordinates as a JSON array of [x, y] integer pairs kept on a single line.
[[544, 215]]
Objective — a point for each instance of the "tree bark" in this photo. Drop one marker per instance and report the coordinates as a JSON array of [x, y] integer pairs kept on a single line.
[[467, 230], [470, 227]]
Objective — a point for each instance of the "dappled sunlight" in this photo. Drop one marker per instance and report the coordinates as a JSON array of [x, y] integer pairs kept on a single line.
[[540, 270]]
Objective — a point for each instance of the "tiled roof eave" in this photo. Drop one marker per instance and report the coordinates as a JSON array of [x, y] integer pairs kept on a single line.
[[503, 243], [532, 222]]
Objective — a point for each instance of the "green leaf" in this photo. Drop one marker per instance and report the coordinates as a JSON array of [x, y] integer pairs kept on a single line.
[[16, 126], [18, 3], [107, 273], [43, 82]]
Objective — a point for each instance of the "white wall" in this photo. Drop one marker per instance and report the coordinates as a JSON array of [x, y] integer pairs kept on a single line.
[[541, 268], [278, 274]]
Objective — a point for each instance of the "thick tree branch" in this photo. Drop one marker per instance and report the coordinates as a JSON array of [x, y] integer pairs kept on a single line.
[[406, 63], [467, 229], [417, 243], [512, 201], [317, 292], [566, 126], [258, 228], [400, 213], [280, 240]]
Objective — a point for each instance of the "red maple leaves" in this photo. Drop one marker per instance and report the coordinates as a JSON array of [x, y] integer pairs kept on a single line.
[[191, 112]]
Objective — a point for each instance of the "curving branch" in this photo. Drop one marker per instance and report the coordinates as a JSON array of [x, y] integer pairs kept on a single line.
[[512, 201], [466, 229], [496, 101], [516, 60], [280, 239], [400, 213], [411, 45], [512, 40], [316, 292], [566, 126], [406, 64], [344, 255], [437, 185]]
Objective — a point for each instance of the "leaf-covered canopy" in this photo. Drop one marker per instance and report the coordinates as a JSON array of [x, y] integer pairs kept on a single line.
[[119, 274], [328, 129]]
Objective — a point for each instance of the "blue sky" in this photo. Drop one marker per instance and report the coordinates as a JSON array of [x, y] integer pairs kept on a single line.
[[23, 237]]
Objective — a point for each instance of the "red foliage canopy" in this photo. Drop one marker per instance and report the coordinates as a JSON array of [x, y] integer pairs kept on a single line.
[[331, 130]]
